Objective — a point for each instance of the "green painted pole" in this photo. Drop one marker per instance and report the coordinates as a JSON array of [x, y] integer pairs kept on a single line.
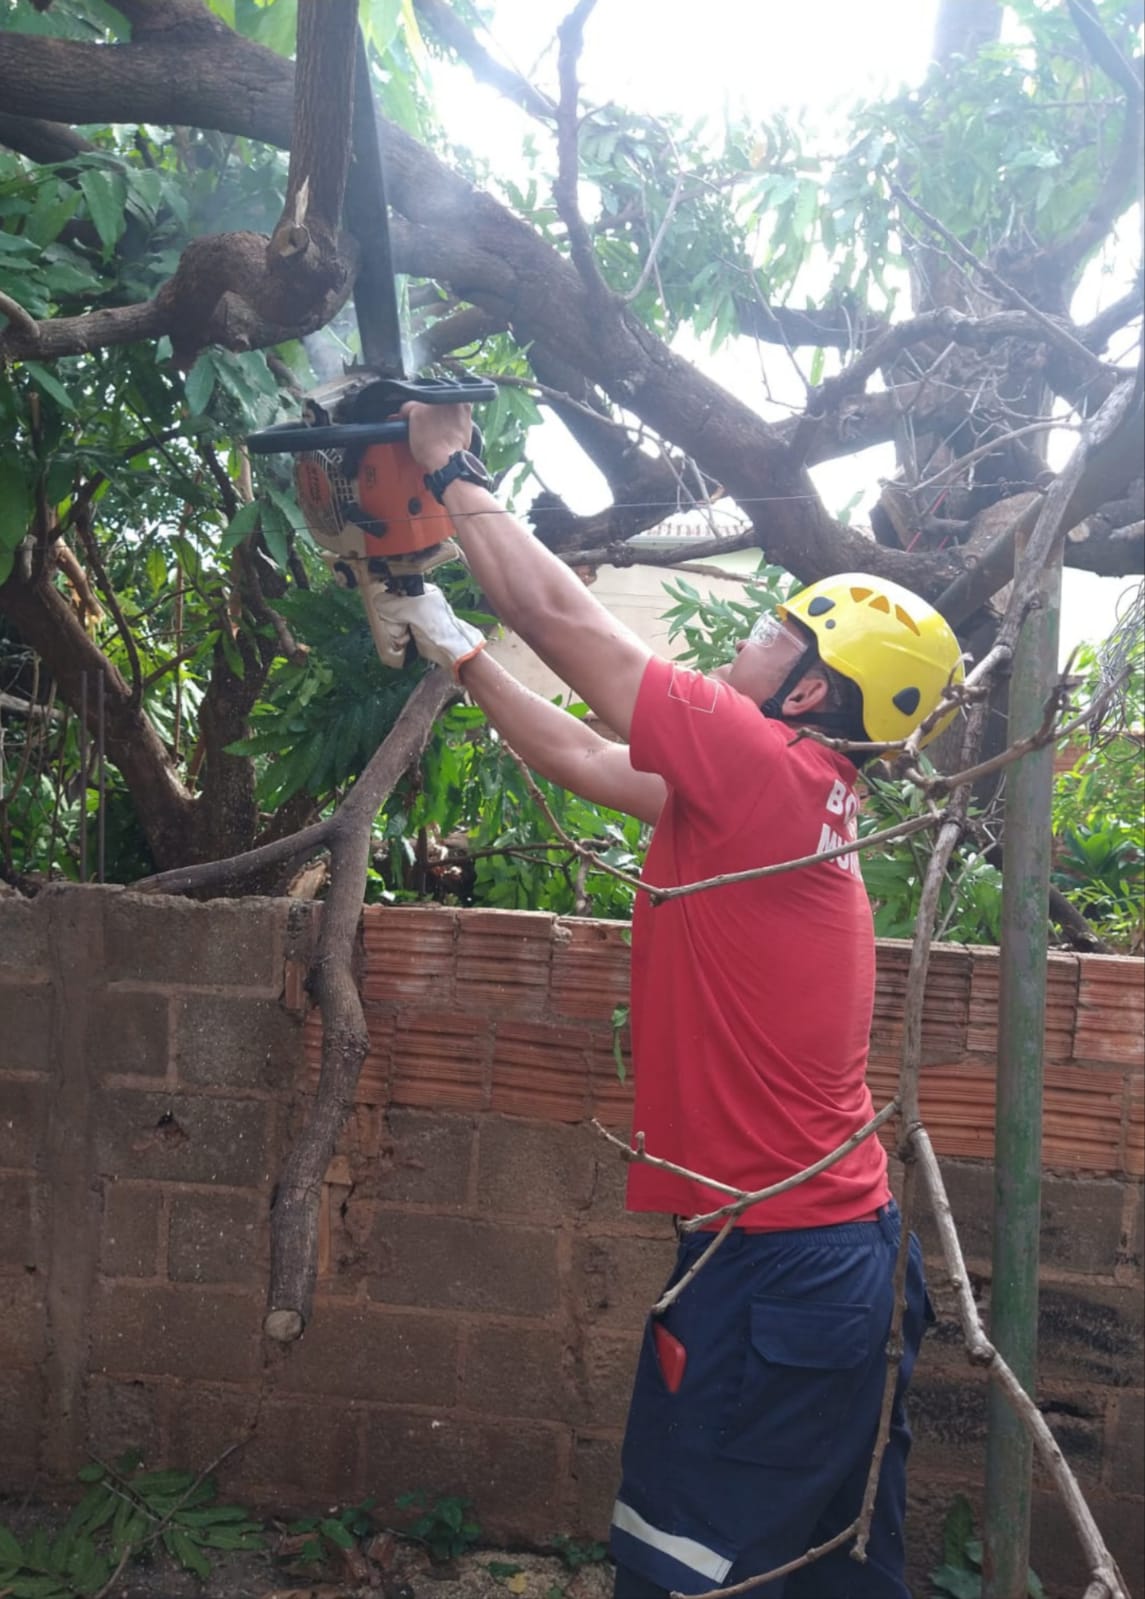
[[1018, 1133]]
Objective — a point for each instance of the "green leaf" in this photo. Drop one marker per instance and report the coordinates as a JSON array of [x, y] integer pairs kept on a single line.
[[106, 196], [218, 1515], [50, 384], [188, 1554], [956, 1582], [38, 1588], [17, 504], [337, 1533], [231, 652], [277, 523], [55, 205], [239, 526], [248, 1537], [199, 384]]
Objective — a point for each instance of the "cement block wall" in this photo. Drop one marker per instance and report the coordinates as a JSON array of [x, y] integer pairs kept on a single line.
[[481, 1287]]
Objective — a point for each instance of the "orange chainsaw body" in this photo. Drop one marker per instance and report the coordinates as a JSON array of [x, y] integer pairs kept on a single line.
[[385, 503]]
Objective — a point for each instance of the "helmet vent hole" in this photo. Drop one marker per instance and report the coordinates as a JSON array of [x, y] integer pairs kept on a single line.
[[819, 605], [907, 620], [907, 701], [881, 603], [859, 595]]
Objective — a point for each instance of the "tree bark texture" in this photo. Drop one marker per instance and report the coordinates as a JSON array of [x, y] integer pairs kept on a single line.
[[294, 1218]]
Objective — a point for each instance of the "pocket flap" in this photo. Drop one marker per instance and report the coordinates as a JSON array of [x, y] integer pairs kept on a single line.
[[817, 1336]]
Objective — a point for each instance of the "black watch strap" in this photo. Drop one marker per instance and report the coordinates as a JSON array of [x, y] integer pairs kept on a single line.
[[462, 464]]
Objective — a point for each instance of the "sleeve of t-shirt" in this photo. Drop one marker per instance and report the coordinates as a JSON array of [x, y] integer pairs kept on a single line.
[[709, 743]]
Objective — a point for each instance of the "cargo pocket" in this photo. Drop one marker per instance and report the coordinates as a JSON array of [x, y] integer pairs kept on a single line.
[[803, 1367]]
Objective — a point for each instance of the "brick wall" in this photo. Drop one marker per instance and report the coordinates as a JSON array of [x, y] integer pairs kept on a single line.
[[481, 1287]]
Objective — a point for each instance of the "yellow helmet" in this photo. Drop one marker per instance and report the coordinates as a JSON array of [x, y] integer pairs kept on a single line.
[[898, 649]]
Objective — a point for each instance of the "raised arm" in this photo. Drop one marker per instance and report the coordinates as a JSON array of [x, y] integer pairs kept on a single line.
[[532, 591], [560, 746]]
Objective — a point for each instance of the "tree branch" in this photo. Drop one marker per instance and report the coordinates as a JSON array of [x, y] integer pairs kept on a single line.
[[794, 329], [571, 36], [345, 1041], [49, 626], [1104, 52], [42, 141], [1107, 1580], [304, 245], [447, 27], [1053, 331]]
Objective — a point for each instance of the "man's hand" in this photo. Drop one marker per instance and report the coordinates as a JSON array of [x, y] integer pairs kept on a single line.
[[440, 636], [437, 431], [391, 638]]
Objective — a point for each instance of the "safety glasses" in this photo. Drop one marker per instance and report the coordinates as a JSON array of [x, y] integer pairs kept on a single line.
[[771, 630]]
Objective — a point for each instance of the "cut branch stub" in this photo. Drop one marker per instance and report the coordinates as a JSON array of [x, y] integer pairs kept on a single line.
[[304, 248]]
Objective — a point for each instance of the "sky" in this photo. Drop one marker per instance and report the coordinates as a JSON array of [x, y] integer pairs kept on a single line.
[[711, 57]]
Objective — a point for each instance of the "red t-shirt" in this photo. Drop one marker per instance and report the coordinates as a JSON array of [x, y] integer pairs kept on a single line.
[[751, 1003]]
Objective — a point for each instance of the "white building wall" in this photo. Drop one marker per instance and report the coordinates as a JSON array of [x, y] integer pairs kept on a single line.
[[635, 596]]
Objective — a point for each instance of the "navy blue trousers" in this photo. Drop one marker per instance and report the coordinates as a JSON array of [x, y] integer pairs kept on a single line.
[[762, 1450]]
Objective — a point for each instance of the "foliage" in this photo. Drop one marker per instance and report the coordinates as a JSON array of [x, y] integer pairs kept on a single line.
[[323, 1535], [445, 1525], [575, 1553], [125, 1512], [503, 1570], [1099, 862], [960, 1574], [970, 897], [472, 796], [135, 462], [1004, 154], [705, 627]]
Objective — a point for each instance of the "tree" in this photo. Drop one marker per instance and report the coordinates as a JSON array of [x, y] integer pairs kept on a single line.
[[149, 578], [141, 344]]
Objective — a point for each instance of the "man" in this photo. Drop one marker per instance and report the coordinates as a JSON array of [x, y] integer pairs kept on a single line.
[[758, 1393]]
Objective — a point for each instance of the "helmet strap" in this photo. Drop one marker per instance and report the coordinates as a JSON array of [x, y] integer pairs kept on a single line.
[[836, 724], [772, 707]]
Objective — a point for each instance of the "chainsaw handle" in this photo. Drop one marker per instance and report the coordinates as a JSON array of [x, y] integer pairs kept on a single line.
[[293, 438]]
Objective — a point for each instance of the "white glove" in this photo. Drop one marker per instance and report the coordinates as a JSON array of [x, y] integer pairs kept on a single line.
[[440, 636], [391, 638]]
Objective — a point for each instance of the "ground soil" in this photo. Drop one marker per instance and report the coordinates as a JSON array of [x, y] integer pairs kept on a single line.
[[391, 1568]]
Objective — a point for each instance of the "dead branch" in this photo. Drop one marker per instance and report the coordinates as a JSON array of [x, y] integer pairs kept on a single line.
[[1107, 1581], [746, 1200], [916, 1144], [785, 1570], [624, 554], [294, 1217], [636, 1154], [894, 1350]]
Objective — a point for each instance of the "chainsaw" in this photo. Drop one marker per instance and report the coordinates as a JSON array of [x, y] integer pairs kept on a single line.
[[362, 494], [360, 490]]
